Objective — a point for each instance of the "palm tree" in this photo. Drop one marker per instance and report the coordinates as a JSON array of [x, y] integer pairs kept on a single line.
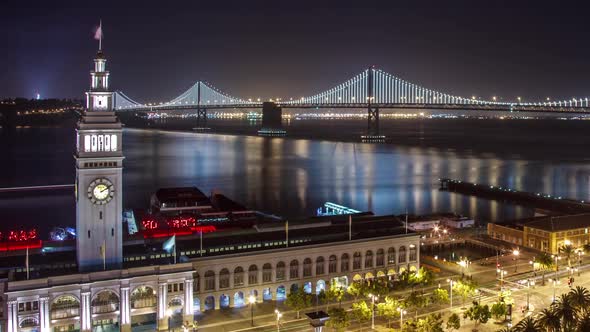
[[580, 297], [566, 311], [568, 252], [545, 262], [528, 324], [549, 320], [583, 322]]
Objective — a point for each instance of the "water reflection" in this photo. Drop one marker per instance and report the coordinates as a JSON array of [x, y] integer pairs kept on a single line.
[[290, 177]]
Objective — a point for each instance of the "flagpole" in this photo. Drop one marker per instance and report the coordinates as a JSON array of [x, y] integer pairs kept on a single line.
[[201, 246], [27, 262], [104, 254], [100, 39], [406, 221], [349, 227], [287, 232]]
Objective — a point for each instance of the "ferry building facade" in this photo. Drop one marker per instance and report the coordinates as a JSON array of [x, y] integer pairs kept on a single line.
[[131, 291]]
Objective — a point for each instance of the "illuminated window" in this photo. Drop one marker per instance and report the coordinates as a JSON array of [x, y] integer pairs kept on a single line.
[[113, 142], [87, 143], [107, 143], [94, 143]]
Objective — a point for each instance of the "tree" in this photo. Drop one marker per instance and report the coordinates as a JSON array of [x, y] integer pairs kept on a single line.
[[298, 300], [338, 319], [454, 322], [361, 312], [548, 320], [431, 323], [567, 312], [376, 287], [478, 313], [568, 251], [416, 301], [439, 296], [464, 288], [335, 293], [357, 289], [499, 310], [528, 324], [583, 322], [423, 277], [580, 297], [545, 263], [389, 309]]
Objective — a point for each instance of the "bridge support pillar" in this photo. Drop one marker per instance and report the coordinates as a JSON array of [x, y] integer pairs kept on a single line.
[[271, 120], [373, 134], [201, 120]]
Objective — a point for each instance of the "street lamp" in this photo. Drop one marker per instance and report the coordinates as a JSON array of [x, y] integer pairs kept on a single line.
[[556, 258], [252, 300], [516, 252], [402, 312], [502, 274], [530, 282], [580, 253], [279, 315], [373, 298], [555, 282], [451, 282]]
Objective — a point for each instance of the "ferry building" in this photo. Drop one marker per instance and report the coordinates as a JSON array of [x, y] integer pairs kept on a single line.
[[118, 274]]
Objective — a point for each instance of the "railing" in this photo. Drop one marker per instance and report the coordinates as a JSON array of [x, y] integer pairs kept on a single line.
[[143, 302], [104, 307], [67, 310]]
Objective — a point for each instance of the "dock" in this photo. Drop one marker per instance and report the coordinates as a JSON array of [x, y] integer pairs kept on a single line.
[[533, 200]]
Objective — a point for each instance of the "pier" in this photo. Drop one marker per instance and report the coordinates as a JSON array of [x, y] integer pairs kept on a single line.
[[533, 200]]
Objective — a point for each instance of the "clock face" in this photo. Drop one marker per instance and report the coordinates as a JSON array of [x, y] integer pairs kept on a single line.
[[101, 191]]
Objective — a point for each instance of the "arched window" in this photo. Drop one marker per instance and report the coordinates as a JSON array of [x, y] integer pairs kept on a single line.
[[368, 259], [105, 301], [356, 260], [267, 272], [391, 256], [379, 259], [143, 297], [238, 276], [319, 265], [65, 306], [294, 269], [280, 271], [224, 278], [333, 264], [344, 266], [29, 322], [413, 253], [209, 280], [307, 267], [402, 255], [252, 275]]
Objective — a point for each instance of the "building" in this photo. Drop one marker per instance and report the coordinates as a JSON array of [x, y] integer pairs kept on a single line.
[[117, 281], [546, 233]]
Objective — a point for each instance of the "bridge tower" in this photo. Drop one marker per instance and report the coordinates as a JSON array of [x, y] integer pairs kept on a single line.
[[272, 116], [201, 112], [373, 134]]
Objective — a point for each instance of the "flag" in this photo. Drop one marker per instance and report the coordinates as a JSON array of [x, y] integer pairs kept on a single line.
[[98, 35], [169, 244]]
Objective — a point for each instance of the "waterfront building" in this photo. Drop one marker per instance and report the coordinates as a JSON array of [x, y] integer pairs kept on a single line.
[[546, 233]]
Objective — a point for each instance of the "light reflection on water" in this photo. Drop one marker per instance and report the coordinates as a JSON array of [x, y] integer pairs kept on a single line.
[[290, 177]]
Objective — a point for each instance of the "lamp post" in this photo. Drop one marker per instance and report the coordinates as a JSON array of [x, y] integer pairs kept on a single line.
[[373, 297], [516, 252], [252, 300], [279, 315], [451, 282], [502, 274], [580, 253], [402, 312], [554, 282], [528, 292]]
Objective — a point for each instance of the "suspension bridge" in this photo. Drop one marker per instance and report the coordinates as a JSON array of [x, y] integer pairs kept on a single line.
[[372, 90]]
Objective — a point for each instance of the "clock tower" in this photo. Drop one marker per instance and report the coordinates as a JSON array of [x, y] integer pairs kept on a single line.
[[99, 172]]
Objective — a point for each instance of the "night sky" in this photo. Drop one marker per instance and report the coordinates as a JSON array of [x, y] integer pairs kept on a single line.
[[534, 49]]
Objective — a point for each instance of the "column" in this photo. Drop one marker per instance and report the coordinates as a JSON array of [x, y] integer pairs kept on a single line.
[[85, 313], [12, 316], [188, 301], [125, 313], [162, 306], [44, 314]]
